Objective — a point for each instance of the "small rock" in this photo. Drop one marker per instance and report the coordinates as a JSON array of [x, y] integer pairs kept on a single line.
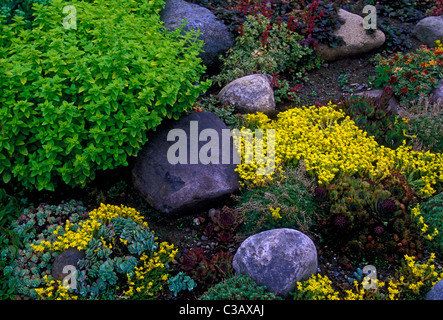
[[428, 30], [250, 94], [437, 93], [277, 259], [354, 35], [69, 257], [216, 36]]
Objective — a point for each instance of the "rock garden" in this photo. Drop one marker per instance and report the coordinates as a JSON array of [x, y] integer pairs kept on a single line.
[[221, 150]]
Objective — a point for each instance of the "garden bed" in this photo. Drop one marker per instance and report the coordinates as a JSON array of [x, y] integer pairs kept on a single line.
[[205, 244]]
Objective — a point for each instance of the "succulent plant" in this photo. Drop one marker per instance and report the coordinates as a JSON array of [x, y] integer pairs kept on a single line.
[[195, 264], [364, 219], [223, 224], [37, 224], [181, 282], [376, 117]]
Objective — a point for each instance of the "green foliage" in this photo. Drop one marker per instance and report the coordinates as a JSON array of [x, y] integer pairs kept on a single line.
[[321, 20], [10, 209], [432, 211], [403, 10], [77, 101], [239, 287], [268, 48], [291, 192], [428, 129], [413, 75], [181, 282], [376, 117], [425, 124], [22, 8], [397, 38]]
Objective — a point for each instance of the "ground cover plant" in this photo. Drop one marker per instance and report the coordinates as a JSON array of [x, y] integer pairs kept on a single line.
[[121, 255]]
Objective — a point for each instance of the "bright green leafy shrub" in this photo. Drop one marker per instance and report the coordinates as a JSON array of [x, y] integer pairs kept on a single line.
[[73, 101], [239, 287]]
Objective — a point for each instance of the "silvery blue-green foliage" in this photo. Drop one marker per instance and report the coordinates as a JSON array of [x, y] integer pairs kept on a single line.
[[358, 276], [181, 282], [126, 265], [139, 238], [27, 270], [101, 267]]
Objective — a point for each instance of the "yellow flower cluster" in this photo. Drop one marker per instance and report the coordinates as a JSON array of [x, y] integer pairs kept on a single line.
[[331, 146], [147, 278], [317, 287], [407, 282], [275, 213], [51, 293], [80, 238], [361, 293], [420, 221], [414, 276]]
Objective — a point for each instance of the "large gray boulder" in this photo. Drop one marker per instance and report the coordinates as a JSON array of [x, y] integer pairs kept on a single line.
[[215, 34], [436, 293], [173, 186], [354, 35], [277, 259], [250, 94], [428, 30]]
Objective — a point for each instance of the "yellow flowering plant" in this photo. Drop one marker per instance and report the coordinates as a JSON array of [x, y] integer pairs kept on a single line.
[[122, 257], [332, 146], [409, 282]]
